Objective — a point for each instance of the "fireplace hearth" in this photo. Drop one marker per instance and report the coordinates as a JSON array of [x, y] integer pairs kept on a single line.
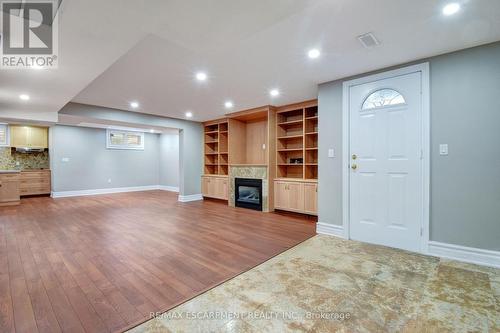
[[248, 193]]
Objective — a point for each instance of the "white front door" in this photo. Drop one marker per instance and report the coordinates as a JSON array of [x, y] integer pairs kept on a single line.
[[386, 167]]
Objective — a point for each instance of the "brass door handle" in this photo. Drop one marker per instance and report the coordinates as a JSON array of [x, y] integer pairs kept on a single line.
[[354, 166]]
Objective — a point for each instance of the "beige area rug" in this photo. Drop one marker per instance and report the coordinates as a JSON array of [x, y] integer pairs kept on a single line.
[[327, 284]]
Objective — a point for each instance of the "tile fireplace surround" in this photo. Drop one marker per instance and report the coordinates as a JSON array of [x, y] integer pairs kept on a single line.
[[254, 172]]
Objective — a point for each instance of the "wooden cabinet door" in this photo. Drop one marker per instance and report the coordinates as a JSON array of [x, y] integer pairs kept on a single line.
[[38, 137], [205, 184], [295, 196], [311, 198], [221, 188], [280, 195], [9, 190], [19, 136], [209, 187]]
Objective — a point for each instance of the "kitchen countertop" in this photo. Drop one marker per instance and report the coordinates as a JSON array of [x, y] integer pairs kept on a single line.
[[10, 171]]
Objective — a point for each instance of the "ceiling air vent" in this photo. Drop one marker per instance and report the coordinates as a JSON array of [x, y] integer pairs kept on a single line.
[[368, 40]]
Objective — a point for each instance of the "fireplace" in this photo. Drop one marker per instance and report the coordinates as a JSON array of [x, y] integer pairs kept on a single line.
[[248, 193]]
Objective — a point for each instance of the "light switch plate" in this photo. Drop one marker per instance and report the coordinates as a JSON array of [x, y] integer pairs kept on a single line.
[[65, 159], [331, 153], [443, 149]]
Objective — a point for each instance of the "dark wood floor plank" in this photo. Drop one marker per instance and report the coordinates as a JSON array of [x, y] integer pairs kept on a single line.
[[104, 263], [24, 315], [66, 316], [44, 315], [108, 314], [6, 307], [89, 318]]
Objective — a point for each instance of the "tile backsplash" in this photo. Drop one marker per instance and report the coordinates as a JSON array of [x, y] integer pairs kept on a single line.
[[9, 159]]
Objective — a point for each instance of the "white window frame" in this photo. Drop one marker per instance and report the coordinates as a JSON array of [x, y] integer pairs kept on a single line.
[[7, 135], [110, 145]]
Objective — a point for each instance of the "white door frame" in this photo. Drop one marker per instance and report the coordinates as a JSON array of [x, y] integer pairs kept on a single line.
[[424, 70]]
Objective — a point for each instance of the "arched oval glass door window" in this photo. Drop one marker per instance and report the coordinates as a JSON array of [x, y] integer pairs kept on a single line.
[[383, 97]]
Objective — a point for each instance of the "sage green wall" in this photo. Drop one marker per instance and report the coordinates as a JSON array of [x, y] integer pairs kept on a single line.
[[465, 114]]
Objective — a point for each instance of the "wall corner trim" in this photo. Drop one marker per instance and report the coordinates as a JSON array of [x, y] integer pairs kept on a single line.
[[330, 229], [465, 254], [192, 197]]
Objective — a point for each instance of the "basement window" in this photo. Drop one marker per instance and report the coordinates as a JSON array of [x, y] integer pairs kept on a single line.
[[124, 140], [4, 135]]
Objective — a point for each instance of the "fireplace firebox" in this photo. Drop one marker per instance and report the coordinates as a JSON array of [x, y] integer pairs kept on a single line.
[[248, 193]]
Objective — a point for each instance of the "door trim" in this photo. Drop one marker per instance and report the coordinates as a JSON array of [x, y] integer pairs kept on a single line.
[[424, 70]]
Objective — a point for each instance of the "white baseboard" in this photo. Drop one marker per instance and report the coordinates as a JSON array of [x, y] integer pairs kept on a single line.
[[168, 188], [330, 229], [192, 197], [65, 194], [464, 253]]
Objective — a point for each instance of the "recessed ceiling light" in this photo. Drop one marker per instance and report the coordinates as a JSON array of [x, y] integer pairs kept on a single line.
[[228, 104], [313, 54], [274, 92], [201, 76], [24, 97], [134, 105], [151, 131], [189, 114], [451, 8]]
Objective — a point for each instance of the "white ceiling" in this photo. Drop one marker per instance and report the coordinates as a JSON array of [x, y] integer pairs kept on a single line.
[[116, 51]]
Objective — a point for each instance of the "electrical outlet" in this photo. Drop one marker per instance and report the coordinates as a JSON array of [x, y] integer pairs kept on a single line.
[[109, 180], [331, 153]]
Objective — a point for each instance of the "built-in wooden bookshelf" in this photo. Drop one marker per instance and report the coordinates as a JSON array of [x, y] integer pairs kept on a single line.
[[216, 148], [297, 141]]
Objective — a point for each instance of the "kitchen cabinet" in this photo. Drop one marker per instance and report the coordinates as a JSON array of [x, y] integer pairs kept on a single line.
[[29, 136], [34, 182], [296, 196], [9, 189], [215, 187]]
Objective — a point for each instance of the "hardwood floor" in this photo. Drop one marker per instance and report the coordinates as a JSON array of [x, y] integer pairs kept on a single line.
[[105, 263]]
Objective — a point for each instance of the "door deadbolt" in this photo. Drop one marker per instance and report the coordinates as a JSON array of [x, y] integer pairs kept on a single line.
[[354, 156]]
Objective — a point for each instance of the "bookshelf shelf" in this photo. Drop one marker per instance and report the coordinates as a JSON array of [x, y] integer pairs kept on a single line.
[[297, 143], [216, 144]]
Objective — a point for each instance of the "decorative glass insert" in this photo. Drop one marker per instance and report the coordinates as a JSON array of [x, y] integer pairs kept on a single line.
[[381, 98]]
